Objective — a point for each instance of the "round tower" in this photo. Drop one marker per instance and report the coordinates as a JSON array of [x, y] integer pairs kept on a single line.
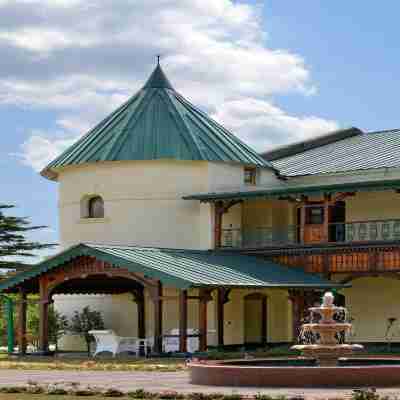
[[123, 182]]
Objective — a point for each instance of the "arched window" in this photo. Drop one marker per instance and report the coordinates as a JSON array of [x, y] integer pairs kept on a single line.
[[95, 207]]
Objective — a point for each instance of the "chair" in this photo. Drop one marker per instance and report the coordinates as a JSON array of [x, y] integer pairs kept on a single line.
[[108, 341]]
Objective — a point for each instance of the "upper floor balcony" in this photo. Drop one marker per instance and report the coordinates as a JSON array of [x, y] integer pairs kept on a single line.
[[311, 233]]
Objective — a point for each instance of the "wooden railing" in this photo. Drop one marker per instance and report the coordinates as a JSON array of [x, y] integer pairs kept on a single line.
[[348, 232]]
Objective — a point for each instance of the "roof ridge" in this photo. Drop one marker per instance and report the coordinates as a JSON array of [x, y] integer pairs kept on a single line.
[[302, 146], [395, 130]]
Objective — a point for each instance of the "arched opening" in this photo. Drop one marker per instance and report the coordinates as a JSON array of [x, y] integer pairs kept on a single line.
[[92, 207], [119, 295], [255, 318]]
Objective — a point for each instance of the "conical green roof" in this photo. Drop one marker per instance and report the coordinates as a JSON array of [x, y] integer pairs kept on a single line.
[[156, 123]]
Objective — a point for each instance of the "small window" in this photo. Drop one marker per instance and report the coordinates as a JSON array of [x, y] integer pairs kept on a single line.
[[96, 207], [250, 176]]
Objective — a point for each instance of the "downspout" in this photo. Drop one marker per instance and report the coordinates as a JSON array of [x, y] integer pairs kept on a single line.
[[10, 322]]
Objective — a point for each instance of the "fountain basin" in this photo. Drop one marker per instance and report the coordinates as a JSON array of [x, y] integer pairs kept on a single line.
[[349, 372]]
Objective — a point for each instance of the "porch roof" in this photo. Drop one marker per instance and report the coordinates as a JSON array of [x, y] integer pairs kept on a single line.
[[297, 189], [184, 268]]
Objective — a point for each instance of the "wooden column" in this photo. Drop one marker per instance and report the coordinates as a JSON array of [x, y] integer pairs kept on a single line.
[[326, 218], [302, 222], [22, 307], [183, 319], [220, 315], [43, 317], [138, 297], [157, 299], [205, 297], [218, 213], [264, 320], [298, 301]]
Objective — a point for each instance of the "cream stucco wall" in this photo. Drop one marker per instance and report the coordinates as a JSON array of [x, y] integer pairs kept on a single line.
[[371, 301], [143, 202], [366, 206]]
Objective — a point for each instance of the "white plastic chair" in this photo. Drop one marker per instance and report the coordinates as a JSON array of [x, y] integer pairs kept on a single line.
[[108, 341]]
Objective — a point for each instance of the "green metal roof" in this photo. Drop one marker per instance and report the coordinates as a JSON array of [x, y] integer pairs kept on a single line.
[[156, 123], [352, 151], [184, 268], [295, 189]]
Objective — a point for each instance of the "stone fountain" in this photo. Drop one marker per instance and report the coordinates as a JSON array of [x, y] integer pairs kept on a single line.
[[326, 334], [325, 360]]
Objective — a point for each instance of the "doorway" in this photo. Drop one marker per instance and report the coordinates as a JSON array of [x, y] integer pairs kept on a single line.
[[255, 318]]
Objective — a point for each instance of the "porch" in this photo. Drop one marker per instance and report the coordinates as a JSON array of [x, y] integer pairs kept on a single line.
[[241, 298]]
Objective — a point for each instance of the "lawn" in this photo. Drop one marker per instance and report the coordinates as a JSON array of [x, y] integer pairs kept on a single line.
[[79, 364], [26, 396]]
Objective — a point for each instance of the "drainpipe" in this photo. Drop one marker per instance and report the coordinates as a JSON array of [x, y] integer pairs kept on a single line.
[[10, 322]]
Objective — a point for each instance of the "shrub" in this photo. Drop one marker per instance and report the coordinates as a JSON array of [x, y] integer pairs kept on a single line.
[[112, 392], [12, 389], [365, 394]]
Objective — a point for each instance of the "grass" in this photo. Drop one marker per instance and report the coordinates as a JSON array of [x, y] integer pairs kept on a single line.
[[26, 396], [79, 364]]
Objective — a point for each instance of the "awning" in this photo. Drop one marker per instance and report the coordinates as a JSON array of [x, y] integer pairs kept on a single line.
[[294, 190], [184, 268]]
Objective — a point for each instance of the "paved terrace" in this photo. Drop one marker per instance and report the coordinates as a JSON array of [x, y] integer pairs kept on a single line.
[[160, 381]]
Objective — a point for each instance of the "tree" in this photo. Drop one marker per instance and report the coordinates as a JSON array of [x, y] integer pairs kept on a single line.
[[58, 324], [85, 321], [13, 241]]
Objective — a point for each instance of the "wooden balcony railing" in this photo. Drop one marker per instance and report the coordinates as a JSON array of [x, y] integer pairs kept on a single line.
[[348, 232]]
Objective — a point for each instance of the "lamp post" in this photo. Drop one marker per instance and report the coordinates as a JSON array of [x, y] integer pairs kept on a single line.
[[9, 306]]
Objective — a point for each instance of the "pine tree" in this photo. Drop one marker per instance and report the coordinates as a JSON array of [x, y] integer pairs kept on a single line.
[[13, 240]]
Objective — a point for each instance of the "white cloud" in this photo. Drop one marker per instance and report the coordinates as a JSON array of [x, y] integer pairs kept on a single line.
[[264, 125], [83, 58], [39, 149]]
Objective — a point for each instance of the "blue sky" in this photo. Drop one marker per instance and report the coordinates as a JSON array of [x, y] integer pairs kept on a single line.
[[272, 72]]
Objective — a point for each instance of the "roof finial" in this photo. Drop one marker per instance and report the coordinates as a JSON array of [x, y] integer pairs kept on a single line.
[[158, 59]]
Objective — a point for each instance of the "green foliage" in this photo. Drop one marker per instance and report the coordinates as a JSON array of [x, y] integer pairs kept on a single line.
[[13, 241], [57, 324], [85, 321], [365, 394], [112, 392]]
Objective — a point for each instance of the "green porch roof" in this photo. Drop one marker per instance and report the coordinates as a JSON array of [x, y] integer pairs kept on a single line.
[[156, 123], [184, 268], [296, 189]]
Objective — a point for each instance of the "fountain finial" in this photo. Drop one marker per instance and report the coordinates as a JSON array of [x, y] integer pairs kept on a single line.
[[328, 299]]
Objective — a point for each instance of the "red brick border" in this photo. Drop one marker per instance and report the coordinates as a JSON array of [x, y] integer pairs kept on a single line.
[[294, 376]]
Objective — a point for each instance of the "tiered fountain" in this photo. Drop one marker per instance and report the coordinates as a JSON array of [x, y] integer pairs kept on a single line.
[[326, 360], [325, 334]]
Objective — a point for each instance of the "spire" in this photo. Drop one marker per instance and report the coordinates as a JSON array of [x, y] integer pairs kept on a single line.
[[158, 78]]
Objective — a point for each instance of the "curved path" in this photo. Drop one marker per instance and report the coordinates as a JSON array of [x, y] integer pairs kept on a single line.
[[160, 381]]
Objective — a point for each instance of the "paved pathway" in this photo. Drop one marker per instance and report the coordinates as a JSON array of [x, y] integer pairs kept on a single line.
[[159, 381]]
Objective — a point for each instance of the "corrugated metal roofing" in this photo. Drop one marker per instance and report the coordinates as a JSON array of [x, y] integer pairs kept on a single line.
[[295, 189], [184, 268], [364, 151], [156, 123]]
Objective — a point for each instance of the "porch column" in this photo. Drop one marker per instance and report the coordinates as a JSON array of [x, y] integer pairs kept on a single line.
[[43, 318], [141, 319], [183, 318], [218, 213], [157, 299], [22, 307], [297, 298], [220, 315], [204, 298], [138, 298], [326, 218], [302, 222]]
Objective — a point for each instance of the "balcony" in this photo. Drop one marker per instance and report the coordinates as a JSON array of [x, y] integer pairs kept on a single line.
[[348, 232]]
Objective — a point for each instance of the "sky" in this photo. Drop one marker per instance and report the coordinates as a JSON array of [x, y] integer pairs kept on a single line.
[[272, 72]]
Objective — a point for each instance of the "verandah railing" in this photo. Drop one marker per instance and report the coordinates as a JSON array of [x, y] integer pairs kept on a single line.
[[356, 231]]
